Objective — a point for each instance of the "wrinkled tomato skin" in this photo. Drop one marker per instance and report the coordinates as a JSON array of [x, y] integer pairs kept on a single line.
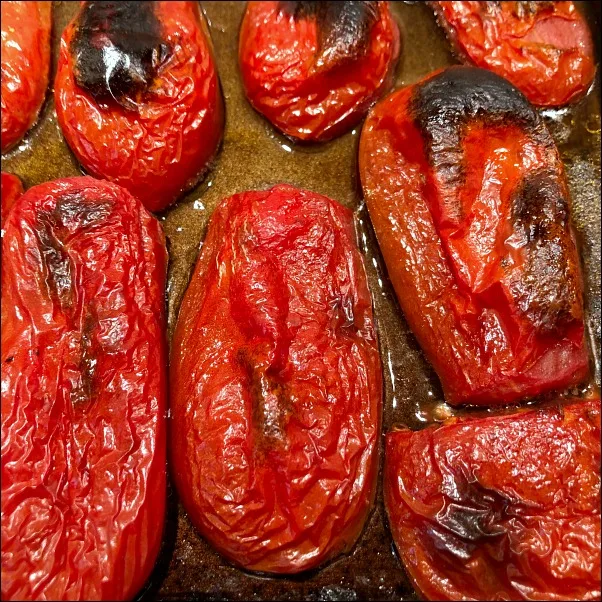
[[25, 65], [499, 508], [158, 140], [472, 218], [12, 189], [83, 393], [544, 48], [276, 383], [308, 92]]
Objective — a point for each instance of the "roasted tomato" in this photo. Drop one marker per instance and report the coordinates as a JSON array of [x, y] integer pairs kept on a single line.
[[544, 48], [469, 201], [12, 189], [276, 383], [83, 393], [138, 98], [314, 68], [25, 64], [500, 508]]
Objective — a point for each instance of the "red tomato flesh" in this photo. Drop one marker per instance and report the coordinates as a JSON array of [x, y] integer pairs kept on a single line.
[[544, 48], [12, 189], [25, 64]]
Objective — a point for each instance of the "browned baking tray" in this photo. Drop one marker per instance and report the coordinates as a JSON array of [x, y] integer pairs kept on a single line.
[[254, 156]]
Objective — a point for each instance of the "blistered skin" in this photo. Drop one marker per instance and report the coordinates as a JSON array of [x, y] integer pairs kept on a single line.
[[83, 393], [12, 189], [138, 97], [276, 383], [544, 48], [25, 64], [468, 198], [313, 69], [499, 508]]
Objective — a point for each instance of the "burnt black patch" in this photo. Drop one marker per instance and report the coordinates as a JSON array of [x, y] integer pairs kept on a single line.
[[343, 28], [527, 8], [539, 203], [548, 292], [520, 10], [445, 104], [117, 50], [473, 515]]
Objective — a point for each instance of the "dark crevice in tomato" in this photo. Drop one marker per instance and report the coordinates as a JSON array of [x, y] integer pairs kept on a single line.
[[56, 261]]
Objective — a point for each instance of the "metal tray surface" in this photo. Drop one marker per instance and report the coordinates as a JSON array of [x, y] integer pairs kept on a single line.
[[254, 156]]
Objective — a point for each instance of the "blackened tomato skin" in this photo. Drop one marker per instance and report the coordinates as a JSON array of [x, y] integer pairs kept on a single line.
[[83, 393], [544, 48], [276, 383], [25, 65], [12, 189], [314, 74], [158, 139], [499, 508], [471, 209]]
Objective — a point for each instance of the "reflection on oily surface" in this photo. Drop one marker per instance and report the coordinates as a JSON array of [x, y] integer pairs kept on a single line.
[[254, 156]]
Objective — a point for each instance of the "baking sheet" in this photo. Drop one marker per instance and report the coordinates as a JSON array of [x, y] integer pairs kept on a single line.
[[254, 156]]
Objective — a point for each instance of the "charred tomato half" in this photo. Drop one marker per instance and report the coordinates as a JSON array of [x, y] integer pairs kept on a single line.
[[276, 383], [469, 201], [83, 393], [544, 48], [313, 69], [25, 65], [138, 96], [500, 508]]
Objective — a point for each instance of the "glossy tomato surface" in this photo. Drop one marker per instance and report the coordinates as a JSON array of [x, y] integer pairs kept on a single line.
[[313, 69], [138, 97], [83, 393], [544, 48], [469, 201], [276, 383], [12, 189], [25, 63], [500, 508]]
